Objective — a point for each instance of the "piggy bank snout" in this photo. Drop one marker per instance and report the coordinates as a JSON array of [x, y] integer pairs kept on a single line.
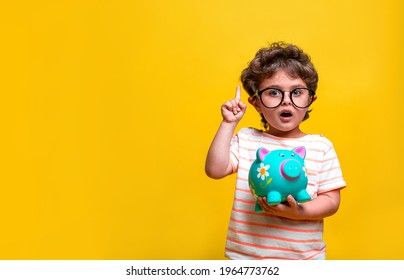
[[291, 169]]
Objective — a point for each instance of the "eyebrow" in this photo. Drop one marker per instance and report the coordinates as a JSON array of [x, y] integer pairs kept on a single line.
[[293, 86]]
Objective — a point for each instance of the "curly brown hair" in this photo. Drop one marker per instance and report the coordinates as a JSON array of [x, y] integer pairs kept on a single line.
[[279, 55]]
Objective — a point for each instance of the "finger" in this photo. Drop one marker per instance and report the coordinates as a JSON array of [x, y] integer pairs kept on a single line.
[[292, 202], [261, 202], [227, 106], [238, 93], [242, 106], [236, 107], [264, 204]]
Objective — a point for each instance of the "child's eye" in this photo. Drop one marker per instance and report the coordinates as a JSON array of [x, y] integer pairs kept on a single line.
[[275, 93], [281, 155], [296, 92]]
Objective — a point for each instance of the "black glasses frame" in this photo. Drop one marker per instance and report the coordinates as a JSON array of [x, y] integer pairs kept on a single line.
[[311, 92]]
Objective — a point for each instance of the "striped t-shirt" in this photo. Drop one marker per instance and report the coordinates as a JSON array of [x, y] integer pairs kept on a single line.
[[254, 235]]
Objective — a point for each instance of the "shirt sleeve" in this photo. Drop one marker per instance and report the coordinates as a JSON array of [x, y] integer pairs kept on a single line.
[[330, 176]]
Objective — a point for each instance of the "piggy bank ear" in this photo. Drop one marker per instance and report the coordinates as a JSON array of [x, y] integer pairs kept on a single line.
[[301, 151], [261, 153]]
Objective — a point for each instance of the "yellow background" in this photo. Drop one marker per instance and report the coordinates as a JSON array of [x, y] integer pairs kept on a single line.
[[108, 109]]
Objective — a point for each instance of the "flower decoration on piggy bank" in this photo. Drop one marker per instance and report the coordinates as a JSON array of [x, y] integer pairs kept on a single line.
[[278, 173]]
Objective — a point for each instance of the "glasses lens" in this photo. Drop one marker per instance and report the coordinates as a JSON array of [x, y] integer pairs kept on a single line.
[[301, 97], [271, 97]]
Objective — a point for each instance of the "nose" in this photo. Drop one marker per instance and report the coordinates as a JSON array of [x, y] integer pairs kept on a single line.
[[291, 169], [286, 98]]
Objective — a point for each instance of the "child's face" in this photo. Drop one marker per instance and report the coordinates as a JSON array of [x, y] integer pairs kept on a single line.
[[285, 119]]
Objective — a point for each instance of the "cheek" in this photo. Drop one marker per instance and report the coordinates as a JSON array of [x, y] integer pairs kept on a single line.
[[269, 115], [301, 114]]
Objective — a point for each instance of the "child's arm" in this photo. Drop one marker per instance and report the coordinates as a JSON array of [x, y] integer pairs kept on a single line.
[[324, 205], [218, 159]]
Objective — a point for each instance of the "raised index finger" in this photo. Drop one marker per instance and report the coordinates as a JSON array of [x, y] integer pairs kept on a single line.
[[238, 93]]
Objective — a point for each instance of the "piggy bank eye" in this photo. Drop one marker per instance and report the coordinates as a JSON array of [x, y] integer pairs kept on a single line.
[[292, 154], [282, 155]]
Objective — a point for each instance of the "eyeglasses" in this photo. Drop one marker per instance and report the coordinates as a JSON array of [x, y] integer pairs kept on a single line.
[[273, 97]]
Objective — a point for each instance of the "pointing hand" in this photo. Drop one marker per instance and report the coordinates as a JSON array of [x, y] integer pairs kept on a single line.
[[233, 110]]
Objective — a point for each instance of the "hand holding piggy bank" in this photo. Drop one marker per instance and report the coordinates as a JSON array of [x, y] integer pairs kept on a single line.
[[277, 174]]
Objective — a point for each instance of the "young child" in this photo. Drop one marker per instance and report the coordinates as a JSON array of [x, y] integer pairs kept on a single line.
[[281, 82]]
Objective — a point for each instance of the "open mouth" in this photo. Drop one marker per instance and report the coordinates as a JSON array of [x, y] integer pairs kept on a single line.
[[286, 114]]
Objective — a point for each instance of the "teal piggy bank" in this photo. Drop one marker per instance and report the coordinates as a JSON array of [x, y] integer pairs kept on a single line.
[[278, 173]]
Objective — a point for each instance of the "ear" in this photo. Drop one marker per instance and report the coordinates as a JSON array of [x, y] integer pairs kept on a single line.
[[314, 98], [261, 153], [254, 101], [301, 151]]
